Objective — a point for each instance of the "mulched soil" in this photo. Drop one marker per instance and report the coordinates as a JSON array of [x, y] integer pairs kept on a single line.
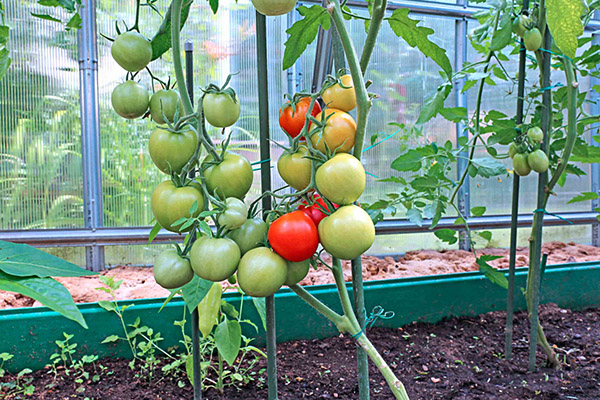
[[460, 358]]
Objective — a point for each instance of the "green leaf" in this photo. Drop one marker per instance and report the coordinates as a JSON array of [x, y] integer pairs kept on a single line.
[[409, 161], [154, 232], [490, 272], [46, 17], [454, 114], [261, 308], [161, 42], [24, 260], [228, 338], [418, 36], [487, 235], [478, 211], [502, 37], [415, 216], [304, 32], [74, 22], [45, 290], [4, 62], [68, 5], [434, 103], [194, 291], [110, 339], [564, 22], [488, 167], [214, 5], [447, 235], [107, 305], [584, 196]]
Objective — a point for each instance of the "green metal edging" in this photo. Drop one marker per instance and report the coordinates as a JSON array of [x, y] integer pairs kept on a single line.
[[29, 333]]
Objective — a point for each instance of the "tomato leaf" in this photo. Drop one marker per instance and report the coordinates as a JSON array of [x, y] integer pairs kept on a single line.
[[434, 103], [490, 272], [261, 308], [487, 167], [161, 42], [503, 35], [564, 22], [24, 260], [228, 338], [4, 62], [304, 32], [46, 17], [74, 22], [585, 196], [414, 35], [455, 114], [154, 232], [68, 5], [45, 290], [447, 235], [415, 216], [478, 211], [194, 291], [410, 161]]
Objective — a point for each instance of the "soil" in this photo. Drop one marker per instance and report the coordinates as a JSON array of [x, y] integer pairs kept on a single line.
[[138, 282], [460, 358]]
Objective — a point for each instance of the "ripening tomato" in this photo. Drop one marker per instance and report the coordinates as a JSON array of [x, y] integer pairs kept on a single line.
[[261, 272], [232, 177], [132, 51], [296, 271], [512, 150], [292, 119], [520, 164], [315, 211], [347, 233], [274, 7], [294, 236], [341, 179], [170, 203], [538, 161], [535, 134], [221, 109], [341, 98], [250, 235], [339, 132], [165, 103], [215, 259], [130, 100], [533, 39], [171, 270], [295, 169], [170, 151]]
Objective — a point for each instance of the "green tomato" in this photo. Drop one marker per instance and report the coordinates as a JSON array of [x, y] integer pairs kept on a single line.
[[347, 233], [521, 24], [171, 151], [295, 169], [341, 179], [520, 164], [165, 103], [221, 109], [171, 270], [538, 161], [234, 215], [130, 100], [296, 271], [535, 134], [533, 39], [513, 149], [170, 203], [261, 272], [132, 51], [232, 177], [274, 7], [250, 235], [215, 259]]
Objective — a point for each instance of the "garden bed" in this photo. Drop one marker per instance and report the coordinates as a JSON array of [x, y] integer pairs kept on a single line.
[[138, 282], [458, 358]]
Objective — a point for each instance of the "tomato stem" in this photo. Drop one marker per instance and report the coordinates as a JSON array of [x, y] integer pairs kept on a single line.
[[176, 45]]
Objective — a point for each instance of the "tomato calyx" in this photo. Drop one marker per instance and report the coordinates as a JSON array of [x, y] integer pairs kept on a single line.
[[317, 207]]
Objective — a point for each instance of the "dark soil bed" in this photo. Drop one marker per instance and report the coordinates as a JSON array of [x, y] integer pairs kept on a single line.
[[459, 358]]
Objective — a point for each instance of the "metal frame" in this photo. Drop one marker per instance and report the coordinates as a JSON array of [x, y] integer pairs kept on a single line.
[[595, 173], [94, 236]]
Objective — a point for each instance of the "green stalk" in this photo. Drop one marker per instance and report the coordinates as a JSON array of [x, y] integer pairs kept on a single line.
[[379, 7], [175, 26]]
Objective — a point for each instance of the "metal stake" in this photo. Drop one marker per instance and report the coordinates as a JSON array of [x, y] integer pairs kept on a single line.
[[265, 175]]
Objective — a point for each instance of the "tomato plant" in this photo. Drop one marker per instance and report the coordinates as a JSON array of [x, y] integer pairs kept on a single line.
[[294, 236], [338, 131], [130, 100], [171, 150], [171, 203], [293, 116], [171, 270], [347, 233], [165, 103], [341, 97], [295, 168], [231, 177], [132, 51], [341, 179], [215, 259], [261, 272]]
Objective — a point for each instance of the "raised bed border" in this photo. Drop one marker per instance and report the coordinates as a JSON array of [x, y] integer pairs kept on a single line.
[[30, 333]]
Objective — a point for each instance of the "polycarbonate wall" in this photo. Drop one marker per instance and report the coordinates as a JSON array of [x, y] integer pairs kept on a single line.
[[40, 164]]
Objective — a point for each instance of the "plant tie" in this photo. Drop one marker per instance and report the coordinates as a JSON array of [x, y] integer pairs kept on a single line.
[[378, 312], [541, 210]]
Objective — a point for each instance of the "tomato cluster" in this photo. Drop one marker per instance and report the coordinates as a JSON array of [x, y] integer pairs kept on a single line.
[[526, 155], [525, 27]]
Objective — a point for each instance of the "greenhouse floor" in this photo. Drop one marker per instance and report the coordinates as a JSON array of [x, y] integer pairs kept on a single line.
[[138, 282], [460, 358]]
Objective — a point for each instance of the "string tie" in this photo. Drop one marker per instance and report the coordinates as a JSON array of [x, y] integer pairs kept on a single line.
[[378, 312]]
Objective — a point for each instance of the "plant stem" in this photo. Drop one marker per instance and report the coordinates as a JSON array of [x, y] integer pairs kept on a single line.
[[339, 321], [379, 7], [177, 65], [137, 15]]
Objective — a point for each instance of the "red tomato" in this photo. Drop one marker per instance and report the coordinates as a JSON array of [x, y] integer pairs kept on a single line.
[[315, 212], [294, 236], [292, 121]]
